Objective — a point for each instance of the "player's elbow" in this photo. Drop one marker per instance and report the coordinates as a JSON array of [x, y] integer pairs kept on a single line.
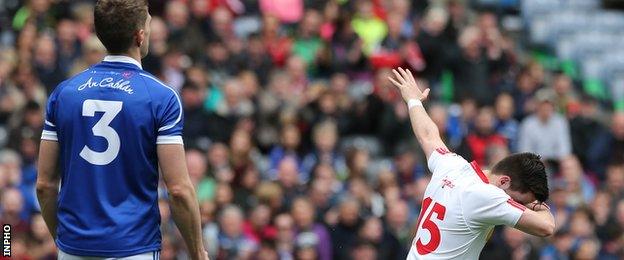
[[45, 187], [546, 230], [181, 191]]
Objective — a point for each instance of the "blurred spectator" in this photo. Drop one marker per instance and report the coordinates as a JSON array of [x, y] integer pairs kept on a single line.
[[344, 233], [461, 119], [523, 92], [308, 43], [46, 63], [257, 227], [357, 162], [607, 146], [93, 51], [580, 187], [68, 43], [325, 136], [408, 168], [36, 10], [233, 242], [585, 127], [285, 238], [370, 28], [545, 132], [581, 224], [371, 203], [564, 93], [559, 203], [397, 219], [494, 154], [289, 145], [516, 245], [587, 249], [470, 68], [12, 206], [614, 183], [475, 144], [364, 250], [313, 234], [432, 43], [506, 124], [195, 124], [561, 245], [387, 245], [41, 245], [197, 168]]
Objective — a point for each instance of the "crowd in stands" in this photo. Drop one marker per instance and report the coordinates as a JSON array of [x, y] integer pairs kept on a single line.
[[298, 145]]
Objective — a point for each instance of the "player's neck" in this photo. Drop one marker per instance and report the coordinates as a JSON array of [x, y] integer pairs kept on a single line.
[[134, 54]]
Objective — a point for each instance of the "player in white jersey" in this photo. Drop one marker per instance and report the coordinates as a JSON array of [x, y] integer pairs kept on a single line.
[[462, 204]]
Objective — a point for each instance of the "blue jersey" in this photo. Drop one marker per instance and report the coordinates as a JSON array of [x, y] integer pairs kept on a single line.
[[108, 121]]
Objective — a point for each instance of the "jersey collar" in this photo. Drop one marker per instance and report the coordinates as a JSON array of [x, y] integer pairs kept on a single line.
[[122, 59], [479, 172]]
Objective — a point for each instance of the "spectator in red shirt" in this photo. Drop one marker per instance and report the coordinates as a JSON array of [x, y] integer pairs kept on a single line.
[[257, 227], [475, 144]]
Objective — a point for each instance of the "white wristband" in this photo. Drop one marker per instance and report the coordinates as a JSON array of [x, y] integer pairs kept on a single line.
[[413, 102]]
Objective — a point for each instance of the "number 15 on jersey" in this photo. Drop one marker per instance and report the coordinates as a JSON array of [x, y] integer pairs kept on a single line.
[[430, 226]]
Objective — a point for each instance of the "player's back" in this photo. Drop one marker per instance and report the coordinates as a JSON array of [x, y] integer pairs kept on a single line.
[[108, 121], [459, 210]]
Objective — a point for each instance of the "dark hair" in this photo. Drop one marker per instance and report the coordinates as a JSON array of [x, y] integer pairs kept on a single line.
[[116, 21], [527, 173]]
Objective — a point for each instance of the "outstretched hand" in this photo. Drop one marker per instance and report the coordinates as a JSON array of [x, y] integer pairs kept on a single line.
[[406, 83]]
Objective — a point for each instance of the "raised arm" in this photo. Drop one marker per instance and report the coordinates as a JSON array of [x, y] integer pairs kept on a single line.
[[48, 183], [183, 200], [424, 128]]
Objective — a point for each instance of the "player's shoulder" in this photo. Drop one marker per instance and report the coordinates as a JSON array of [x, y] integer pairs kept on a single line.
[[442, 160], [480, 192], [159, 91], [156, 84]]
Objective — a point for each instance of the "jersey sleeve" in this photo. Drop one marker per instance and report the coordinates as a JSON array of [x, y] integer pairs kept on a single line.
[[486, 205], [49, 126], [442, 161], [170, 121]]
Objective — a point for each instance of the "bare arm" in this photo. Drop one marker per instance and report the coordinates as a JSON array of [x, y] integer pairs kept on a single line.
[[424, 128], [48, 183], [183, 200], [539, 222]]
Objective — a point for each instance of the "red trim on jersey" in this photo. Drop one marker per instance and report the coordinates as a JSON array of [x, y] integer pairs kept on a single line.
[[479, 172], [516, 204], [442, 151]]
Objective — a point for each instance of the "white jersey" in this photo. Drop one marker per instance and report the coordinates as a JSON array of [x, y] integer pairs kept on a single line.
[[459, 210]]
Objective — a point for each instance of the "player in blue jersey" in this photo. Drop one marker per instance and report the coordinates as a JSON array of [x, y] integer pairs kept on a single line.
[[107, 131]]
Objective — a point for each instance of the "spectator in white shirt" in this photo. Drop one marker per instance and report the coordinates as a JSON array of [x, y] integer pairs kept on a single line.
[[545, 132]]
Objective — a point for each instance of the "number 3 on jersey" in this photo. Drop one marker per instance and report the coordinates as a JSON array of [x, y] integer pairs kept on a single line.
[[102, 128], [430, 226]]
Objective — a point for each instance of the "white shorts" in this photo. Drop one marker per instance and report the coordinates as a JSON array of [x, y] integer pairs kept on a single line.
[[155, 255]]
